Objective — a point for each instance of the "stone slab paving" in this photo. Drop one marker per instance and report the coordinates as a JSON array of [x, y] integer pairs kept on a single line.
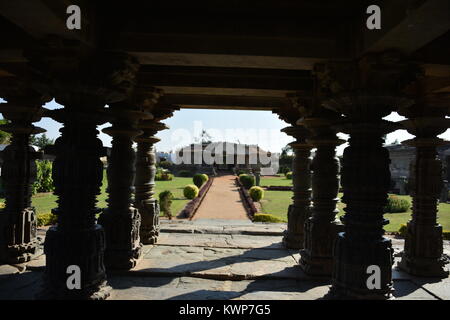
[[218, 262]]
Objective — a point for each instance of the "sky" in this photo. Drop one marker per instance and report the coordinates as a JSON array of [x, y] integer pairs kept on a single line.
[[250, 127]]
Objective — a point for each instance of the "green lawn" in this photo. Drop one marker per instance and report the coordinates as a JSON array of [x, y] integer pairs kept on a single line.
[[277, 203], [44, 202], [276, 181]]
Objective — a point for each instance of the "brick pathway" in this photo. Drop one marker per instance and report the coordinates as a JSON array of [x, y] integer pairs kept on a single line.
[[222, 201]]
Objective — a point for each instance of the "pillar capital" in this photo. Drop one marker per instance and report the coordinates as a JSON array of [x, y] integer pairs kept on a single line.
[[370, 87]]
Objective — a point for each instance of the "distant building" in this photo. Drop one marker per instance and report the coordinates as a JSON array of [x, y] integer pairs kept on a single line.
[[401, 157], [224, 156]]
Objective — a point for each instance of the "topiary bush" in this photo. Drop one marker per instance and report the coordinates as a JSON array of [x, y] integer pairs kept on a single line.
[[190, 191], [46, 219], [44, 180], [265, 217], [199, 179], [247, 181], [165, 203], [289, 175], [396, 205], [256, 193]]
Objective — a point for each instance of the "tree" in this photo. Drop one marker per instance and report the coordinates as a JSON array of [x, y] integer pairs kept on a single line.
[[41, 141], [4, 136]]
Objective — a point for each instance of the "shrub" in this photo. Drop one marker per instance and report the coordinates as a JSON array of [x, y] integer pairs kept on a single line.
[[247, 181], [164, 164], [190, 191], [288, 175], [163, 176], [199, 179], [184, 173], [283, 169], [265, 217], [165, 203], [396, 205], [446, 235], [402, 231], [44, 180], [45, 219], [256, 193]]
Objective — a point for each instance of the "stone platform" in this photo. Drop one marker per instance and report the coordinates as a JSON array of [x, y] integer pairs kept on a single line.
[[218, 260]]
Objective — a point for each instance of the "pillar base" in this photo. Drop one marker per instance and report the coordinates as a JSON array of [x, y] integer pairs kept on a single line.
[[350, 274], [123, 247], [423, 254], [83, 248], [26, 224], [149, 231], [317, 257], [295, 234]]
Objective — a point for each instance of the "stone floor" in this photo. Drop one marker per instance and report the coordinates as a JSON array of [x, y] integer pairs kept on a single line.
[[218, 260]]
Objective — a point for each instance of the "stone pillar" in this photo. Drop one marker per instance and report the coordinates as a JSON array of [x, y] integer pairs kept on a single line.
[[322, 227], [365, 92], [18, 241], [121, 220], [145, 178], [84, 81], [423, 253], [299, 210]]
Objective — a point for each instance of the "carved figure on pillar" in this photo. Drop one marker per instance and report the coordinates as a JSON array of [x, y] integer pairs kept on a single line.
[[365, 91], [322, 227], [423, 252], [18, 240], [83, 81]]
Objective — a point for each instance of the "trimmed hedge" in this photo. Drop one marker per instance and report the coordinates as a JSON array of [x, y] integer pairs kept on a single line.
[[256, 193], [190, 191], [163, 176], [396, 205], [289, 175], [184, 173], [265, 217], [199, 179], [247, 181]]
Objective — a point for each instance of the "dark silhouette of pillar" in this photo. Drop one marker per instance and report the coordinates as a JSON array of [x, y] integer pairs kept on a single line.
[[83, 82], [365, 91], [121, 220], [322, 227], [299, 210], [423, 252], [18, 240]]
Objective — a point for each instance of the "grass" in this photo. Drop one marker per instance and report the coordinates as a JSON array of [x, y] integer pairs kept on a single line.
[[277, 203], [45, 202], [275, 181]]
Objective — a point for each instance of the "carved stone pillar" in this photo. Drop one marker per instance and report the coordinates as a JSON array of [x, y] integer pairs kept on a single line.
[[322, 227], [423, 253], [365, 92], [83, 82], [121, 220], [18, 241], [299, 210], [145, 177]]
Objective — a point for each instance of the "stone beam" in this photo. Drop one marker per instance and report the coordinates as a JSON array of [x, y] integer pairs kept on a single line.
[[225, 77], [408, 28], [223, 102]]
